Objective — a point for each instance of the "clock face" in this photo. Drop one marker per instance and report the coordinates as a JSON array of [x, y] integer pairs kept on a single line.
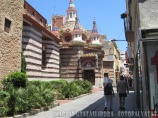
[[67, 38]]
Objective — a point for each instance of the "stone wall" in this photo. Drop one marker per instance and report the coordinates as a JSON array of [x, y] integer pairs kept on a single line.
[[148, 13], [70, 68], [10, 43], [33, 39]]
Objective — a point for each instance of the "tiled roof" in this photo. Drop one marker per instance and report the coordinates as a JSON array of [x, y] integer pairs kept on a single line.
[[88, 55], [70, 26]]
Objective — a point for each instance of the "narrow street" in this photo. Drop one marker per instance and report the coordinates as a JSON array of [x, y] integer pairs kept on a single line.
[[92, 106]]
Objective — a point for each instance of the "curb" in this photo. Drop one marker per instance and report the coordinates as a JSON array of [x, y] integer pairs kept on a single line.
[[34, 111]]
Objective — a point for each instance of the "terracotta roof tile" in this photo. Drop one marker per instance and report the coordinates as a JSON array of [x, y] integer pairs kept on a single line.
[[89, 55]]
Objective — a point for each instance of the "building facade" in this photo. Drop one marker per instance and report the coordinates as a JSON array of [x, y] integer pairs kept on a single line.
[[11, 23], [40, 47], [80, 51], [24, 32], [141, 30], [65, 50], [111, 61]]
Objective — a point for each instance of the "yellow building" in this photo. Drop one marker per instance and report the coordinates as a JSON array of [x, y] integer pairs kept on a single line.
[[110, 61]]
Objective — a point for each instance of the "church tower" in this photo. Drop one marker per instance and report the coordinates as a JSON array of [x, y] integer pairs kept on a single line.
[[77, 32], [94, 34], [71, 11]]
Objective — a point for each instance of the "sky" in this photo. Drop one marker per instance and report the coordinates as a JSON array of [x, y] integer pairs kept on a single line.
[[106, 13]]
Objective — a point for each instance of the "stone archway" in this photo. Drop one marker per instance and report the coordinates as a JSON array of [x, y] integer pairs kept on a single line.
[[88, 68]]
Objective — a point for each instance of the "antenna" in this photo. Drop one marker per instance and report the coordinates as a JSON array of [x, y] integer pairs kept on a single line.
[[54, 11]]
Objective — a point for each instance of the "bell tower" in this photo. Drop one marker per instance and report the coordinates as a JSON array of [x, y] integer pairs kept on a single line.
[[71, 11]]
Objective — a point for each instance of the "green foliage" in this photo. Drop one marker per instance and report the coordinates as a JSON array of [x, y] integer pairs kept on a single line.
[[58, 88], [77, 42], [21, 101], [20, 95], [75, 88], [57, 84], [87, 86], [95, 45], [17, 79], [80, 83], [40, 94], [34, 98], [16, 100], [23, 63], [3, 103]]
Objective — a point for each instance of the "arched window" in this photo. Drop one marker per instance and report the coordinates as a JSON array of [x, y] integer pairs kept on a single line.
[[67, 38], [71, 15]]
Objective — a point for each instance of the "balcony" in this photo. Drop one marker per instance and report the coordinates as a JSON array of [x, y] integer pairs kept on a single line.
[[129, 35]]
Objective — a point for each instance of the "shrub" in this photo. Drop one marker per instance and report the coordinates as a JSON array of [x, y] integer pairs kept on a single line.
[[76, 88], [58, 87], [23, 63], [21, 101], [57, 84], [80, 83], [4, 103], [17, 79], [87, 86], [40, 94]]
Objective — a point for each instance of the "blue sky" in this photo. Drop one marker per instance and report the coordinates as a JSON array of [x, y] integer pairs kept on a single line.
[[106, 13]]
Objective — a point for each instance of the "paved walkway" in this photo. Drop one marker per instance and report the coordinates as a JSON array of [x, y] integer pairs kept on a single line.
[[90, 106]]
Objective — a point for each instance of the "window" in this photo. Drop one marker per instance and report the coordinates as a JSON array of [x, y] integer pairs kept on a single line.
[[43, 55], [7, 25], [67, 38], [71, 15], [94, 38]]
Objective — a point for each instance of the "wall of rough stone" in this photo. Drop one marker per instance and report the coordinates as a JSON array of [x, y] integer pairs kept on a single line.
[[148, 13], [10, 43]]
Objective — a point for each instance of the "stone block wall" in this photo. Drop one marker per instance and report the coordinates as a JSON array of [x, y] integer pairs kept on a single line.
[[70, 69], [32, 47], [10, 43]]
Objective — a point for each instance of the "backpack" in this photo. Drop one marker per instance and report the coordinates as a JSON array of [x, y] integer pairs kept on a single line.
[[108, 89]]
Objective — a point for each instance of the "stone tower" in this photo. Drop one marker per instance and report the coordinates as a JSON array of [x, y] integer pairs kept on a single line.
[[11, 22]]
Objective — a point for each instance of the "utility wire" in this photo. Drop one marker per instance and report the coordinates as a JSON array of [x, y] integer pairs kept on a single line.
[[120, 34]]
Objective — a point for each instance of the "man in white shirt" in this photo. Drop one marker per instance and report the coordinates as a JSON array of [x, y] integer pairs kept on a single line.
[[108, 92]]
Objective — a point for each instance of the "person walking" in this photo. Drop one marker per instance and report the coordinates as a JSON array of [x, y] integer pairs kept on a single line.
[[122, 89], [108, 93]]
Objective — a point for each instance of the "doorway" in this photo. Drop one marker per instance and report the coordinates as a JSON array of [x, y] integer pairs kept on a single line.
[[106, 75], [89, 75]]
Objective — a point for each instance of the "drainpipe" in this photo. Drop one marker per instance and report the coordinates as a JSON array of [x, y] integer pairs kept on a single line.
[[137, 87]]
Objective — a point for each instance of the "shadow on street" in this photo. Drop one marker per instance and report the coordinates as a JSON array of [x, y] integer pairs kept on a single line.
[[96, 109]]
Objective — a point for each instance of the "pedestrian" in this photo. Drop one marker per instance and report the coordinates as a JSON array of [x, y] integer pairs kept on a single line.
[[129, 81], [122, 89], [108, 93]]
